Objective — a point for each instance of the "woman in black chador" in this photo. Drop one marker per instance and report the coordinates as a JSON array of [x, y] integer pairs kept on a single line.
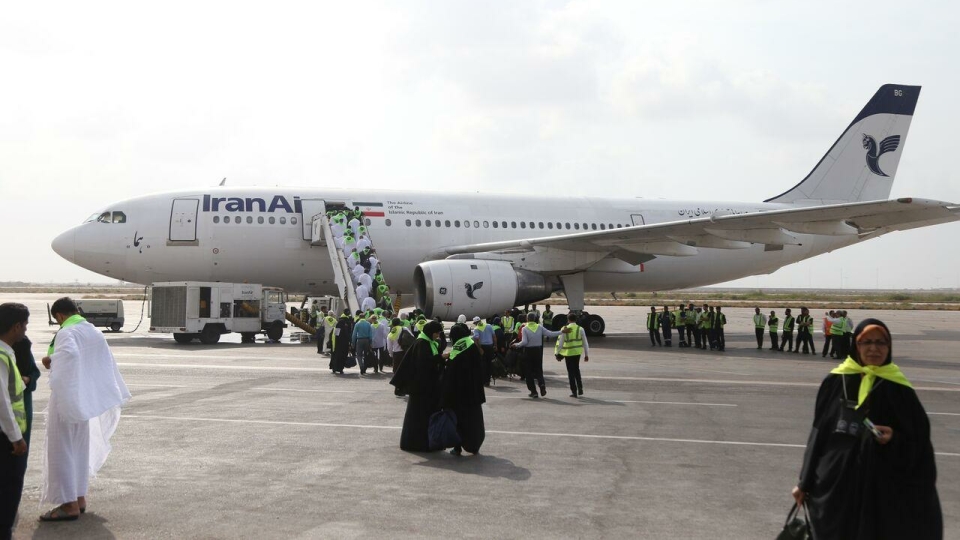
[[869, 471], [463, 388], [341, 342], [419, 377]]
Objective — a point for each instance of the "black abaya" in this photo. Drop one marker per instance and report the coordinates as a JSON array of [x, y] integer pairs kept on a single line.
[[419, 377], [859, 489], [463, 393], [341, 347]]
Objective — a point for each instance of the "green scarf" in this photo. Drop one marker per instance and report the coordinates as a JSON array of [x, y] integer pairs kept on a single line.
[[433, 344], [890, 372], [394, 334], [71, 320], [460, 346]]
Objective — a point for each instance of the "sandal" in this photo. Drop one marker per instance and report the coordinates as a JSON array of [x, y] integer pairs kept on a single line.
[[58, 514]]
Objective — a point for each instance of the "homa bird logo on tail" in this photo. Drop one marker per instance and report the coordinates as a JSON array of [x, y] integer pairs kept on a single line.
[[873, 155], [472, 289]]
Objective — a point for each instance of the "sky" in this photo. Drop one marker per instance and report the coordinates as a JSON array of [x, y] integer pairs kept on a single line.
[[711, 101]]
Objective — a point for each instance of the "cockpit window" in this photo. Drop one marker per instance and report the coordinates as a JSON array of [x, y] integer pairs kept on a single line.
[[104, 217], [119, 217], [91, 218]]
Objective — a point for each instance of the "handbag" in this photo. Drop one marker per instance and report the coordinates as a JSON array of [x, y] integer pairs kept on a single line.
[[442, 432], [350, 361], [796, 528]]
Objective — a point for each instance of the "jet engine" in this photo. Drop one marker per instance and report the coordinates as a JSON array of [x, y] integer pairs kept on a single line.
[[472, 287]]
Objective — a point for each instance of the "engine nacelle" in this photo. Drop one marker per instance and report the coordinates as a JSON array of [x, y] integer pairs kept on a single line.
[[472, 287]]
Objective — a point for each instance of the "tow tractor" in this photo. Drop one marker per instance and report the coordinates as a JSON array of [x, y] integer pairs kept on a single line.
[[206, 310]]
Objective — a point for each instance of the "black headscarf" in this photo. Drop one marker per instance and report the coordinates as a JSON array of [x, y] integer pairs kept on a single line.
[[458, 332], [432, 328], [855, 354]]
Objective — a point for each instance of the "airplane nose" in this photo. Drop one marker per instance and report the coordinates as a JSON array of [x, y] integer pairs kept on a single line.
[[65, 245]]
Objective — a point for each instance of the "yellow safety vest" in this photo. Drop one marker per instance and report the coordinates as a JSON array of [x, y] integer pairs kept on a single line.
[[15, 388], [508, 323], [572, 341], [758, 320], [838, 327], [653, 321]]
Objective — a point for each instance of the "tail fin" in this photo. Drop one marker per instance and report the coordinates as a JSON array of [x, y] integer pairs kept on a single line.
[[861, 165]]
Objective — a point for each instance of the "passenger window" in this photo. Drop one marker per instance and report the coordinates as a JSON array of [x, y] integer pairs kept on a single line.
[[496, 224], [593, 226], [119, 217], [283, 221], [456, 223], [503, 224], [104, 217], [446, 223], [619, 226], [476, 224], [408, 223], [559, 225], [388, 222], [272, 220], [260, 220], [486, 224], [466, 224], [428, 223], [610, 225], [576, 226], [419, 223], [249, 219], [513, 224], [603, 227], [523, 224], [540, 224], [549, 224], [366, 221], [568, 226], [436, 222], [216, 219], [293, 221], [531, 224]]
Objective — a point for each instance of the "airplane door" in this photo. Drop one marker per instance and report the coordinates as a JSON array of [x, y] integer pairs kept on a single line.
[[637, 219], [183, 220], [311, 208]]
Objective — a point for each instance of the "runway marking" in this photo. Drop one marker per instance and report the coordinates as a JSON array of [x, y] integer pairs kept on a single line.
[[523, 433], [166, 385], [267, 389], [675, 403], [944, 413]]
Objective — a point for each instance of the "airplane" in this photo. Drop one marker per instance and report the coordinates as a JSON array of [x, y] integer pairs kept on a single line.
[[479, 254]]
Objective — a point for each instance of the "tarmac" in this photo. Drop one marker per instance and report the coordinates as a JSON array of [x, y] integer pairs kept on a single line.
[[262, 441]]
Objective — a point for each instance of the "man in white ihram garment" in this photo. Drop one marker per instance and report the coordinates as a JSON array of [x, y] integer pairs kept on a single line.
[[86, 392]]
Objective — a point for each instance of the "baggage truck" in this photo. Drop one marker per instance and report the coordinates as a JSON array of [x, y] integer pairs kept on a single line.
[[98, 312], [206, 310]]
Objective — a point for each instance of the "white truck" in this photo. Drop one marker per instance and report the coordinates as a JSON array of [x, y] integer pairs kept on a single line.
[[206, 310], [98, 312]]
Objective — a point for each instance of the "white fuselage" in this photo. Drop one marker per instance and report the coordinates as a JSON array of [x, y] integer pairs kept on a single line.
[[161, 238]]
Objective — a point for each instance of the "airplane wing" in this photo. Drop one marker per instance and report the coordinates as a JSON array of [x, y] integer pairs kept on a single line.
[[734, 231]]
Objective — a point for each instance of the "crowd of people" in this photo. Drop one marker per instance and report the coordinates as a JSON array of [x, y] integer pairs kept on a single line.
[[702, 327], [354, 245], [86, 393]]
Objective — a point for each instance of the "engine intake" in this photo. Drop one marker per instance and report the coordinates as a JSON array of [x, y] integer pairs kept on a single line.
[[450, 287]]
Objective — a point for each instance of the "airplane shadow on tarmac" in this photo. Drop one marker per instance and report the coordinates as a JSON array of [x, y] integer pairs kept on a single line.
[[480, 465]]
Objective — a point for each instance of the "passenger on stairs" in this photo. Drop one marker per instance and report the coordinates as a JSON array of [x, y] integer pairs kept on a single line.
[[357, 272], [362, 292], [368, 303], [354, 225], [366, 280], [362, 243]]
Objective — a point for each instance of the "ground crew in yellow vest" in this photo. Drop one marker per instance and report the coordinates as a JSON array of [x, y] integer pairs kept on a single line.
[[509, 323], [653, 327], [693, 326], [571, 344], [805, 332], [706, 327], [774, 323], [547, 318], [788, 322], [13, 416], [759, 324], [719, 321], [837, 330], [680, 323]]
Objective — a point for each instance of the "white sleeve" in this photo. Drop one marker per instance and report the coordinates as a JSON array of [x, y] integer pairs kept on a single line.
[[586, 346], [7, 421]]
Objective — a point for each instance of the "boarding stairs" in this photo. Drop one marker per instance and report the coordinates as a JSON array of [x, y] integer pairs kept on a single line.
[[323, 235]]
